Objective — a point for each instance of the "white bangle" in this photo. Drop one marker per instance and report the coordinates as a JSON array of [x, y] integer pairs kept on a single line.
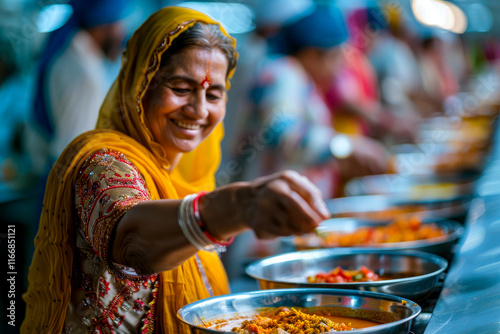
[[190, 228], [341, 146]]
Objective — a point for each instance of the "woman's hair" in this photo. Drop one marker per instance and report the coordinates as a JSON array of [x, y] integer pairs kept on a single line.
[[206, 36]]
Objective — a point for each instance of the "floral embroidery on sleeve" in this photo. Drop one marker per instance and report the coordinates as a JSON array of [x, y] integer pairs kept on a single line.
[[107, 186]]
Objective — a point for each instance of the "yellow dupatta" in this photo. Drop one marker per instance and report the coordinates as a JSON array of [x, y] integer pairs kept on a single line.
[[122, 126]]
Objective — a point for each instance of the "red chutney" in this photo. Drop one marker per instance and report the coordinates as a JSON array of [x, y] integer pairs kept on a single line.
[[340, 275]]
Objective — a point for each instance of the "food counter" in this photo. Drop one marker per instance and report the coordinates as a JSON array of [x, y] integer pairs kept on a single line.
[[470, 298], [465, 297]]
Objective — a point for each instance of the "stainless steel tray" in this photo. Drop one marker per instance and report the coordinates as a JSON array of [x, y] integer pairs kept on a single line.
[[440, 245], [414, 188], [427, 159], [367, 305], [385, 207], [290, 270]]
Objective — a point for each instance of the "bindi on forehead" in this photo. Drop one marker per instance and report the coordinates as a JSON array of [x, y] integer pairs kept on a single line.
[[204, 68], [205, 83]]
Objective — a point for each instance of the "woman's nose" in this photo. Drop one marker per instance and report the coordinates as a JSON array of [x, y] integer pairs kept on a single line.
[[198, 105]]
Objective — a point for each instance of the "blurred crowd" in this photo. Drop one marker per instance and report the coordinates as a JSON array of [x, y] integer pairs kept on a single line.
[[331, 90], [339, 93], [323, 89]]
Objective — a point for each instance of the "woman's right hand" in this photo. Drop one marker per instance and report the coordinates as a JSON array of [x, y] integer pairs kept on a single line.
[[149, 238], [280, 204], [369, 157]]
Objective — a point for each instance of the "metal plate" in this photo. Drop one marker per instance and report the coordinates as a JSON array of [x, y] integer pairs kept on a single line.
[[386, 207], [440, 245], [427, 159], [414, 188], [370, 304], [291, 270]]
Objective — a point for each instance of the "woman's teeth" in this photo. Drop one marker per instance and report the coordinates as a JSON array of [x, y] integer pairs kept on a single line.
[[186, 125]]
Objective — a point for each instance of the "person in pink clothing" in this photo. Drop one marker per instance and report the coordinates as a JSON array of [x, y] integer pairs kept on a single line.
[[353, 94]]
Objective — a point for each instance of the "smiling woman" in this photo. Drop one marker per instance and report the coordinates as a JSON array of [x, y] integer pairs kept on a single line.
[[127, 235], [182, 112]]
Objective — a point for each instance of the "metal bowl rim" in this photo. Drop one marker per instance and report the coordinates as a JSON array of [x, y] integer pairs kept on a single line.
[[411, 305], [457, 180], [438, 260], [457, 231], [395, 199]]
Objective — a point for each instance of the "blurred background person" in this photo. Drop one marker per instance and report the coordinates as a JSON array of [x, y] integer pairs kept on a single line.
[[395, 64], [74, 74], [256, 46], [354, 94], [15, 93], [438, 76], [290, 124]]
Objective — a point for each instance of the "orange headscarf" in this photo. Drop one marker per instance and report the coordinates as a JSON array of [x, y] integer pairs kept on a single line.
[[122, 126]]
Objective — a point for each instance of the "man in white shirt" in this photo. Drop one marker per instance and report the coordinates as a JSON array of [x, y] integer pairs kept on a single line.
[[77, 86], [73, 80], [73, 73]]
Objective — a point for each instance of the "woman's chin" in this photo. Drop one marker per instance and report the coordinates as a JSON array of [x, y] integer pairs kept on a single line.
[[185, 146]]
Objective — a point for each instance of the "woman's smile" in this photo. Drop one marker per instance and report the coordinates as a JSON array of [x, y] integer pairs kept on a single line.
[[187, 126]]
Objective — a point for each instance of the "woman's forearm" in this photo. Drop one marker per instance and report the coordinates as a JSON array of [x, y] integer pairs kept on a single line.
[[149, 239]]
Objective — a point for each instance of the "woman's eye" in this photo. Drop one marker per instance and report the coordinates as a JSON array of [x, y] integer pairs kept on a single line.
[[181, 90], [213, 97]]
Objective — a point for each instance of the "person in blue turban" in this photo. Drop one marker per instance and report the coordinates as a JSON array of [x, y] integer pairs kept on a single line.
[[289, 124], [73, 77], [291, 121], [92, 34]]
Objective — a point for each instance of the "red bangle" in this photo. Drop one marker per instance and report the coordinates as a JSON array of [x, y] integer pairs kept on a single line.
[[195, 207], [202, 226], [218, 242]]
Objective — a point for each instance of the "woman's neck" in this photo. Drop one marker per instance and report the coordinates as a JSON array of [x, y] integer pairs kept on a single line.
[[174, 159]]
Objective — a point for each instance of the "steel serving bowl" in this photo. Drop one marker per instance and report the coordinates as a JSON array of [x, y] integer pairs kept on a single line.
[[383, 207], [395, 313], [414, 188], [440, 245], [291, 270], [437, 159]]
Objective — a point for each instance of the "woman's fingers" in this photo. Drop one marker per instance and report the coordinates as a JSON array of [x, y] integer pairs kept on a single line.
[[283, 207], [308, 191], [284, 204], [270, 218], [301, 217]]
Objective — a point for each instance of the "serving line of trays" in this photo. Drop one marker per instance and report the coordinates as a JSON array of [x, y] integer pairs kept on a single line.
[[387, 196], [432, 188], [409, 278], [412, 272]]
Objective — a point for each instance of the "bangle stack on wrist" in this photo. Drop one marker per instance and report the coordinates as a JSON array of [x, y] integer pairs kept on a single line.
[[193, 228]]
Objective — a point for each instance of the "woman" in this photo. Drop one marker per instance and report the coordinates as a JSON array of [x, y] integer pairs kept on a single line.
[[353, 94], [291, 122], [138, 252]]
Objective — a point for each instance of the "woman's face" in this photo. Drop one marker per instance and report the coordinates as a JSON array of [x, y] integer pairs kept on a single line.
[[180, 111]]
